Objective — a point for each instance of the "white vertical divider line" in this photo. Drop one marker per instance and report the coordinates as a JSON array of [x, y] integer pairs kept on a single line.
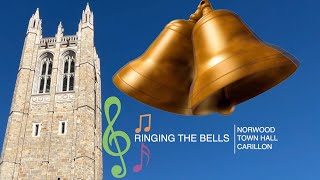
[[234, 139]]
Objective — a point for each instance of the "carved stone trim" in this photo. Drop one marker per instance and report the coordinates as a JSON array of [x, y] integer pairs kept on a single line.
[[40, 99], [64, 97]]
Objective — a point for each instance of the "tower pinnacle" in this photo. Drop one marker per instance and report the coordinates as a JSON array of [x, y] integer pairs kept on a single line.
[[59, 31], [87, 17], [36, 14], [87, 8], [35, 23]]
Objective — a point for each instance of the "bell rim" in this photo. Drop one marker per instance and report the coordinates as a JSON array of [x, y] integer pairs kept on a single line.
[[140, 96], [197, 98]]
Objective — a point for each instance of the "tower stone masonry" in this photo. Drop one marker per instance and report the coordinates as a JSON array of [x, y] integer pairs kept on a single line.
[[54, 127]]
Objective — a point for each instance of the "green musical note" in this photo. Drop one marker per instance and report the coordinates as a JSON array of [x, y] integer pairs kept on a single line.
[[111, 136]]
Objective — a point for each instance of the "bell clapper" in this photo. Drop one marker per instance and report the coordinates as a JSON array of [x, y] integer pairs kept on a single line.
[[225, 106]]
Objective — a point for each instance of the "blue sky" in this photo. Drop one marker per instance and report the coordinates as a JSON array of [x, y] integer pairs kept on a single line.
[[124, 29]]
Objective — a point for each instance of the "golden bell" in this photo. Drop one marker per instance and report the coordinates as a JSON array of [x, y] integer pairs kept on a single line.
[[232, 64], [162, 76], [209, 63]]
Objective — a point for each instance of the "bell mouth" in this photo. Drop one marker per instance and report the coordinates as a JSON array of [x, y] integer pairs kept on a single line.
[[240, 84], [257, 83], [217, 102]]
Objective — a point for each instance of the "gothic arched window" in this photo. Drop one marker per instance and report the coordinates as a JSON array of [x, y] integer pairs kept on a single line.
[[46, 71], [68, 71]]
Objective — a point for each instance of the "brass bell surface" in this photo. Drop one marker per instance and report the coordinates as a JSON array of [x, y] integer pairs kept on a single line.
[[162, 76], [232, 64]]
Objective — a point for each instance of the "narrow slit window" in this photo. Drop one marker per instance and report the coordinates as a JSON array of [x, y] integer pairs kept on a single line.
[[36, 129], [62, 127]]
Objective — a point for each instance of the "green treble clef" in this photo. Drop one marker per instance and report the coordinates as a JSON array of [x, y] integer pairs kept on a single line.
[[111, 136]]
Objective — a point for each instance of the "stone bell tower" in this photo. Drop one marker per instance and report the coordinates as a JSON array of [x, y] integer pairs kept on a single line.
[[54, 125]]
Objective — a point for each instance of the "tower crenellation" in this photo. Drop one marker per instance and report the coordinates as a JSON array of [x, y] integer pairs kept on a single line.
[[54, 128]]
